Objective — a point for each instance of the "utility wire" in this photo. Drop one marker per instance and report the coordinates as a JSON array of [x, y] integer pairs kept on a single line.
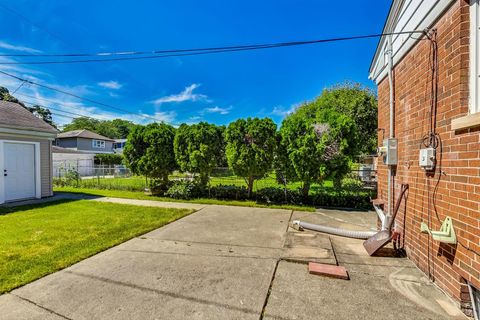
[[62, 111], [55, 103], [78, 97], [157, 54]]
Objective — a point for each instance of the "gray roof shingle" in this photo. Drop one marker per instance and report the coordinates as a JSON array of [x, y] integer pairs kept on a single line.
[[82, 134], [14, 116]]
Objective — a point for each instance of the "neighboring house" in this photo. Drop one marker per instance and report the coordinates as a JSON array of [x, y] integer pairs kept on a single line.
[[25, 154], [84, 140], [68, 159], [118, 145], [433, 90]]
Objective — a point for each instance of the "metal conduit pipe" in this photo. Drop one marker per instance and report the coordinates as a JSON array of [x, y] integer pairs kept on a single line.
[[391, 124], [381, 216], [300, 225]]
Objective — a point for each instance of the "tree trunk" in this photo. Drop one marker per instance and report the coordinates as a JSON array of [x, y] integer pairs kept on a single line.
[[204, 179], [250, 186], [305, 189]]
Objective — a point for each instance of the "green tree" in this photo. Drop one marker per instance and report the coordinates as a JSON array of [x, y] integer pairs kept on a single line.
[[43, 113], [134, 150], [6, 96], [197, 148], [123, 127], [81, 123], [250, 148], [360, 104], [149, 151], [315, 144], [114, 129]]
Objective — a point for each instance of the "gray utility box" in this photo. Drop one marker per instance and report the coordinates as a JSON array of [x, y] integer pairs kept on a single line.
[[390, 151], [426, 158]]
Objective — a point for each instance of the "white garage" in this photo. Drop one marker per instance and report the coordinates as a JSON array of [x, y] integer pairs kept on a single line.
[[25, 154]]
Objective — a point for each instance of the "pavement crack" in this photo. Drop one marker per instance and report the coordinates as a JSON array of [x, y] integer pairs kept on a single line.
[[269, 289], [41, 307]]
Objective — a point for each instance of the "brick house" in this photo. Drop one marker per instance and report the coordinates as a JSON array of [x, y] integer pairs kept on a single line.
[[431, 82]]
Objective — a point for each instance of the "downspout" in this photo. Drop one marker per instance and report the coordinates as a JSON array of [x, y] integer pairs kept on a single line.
[[391, 133]]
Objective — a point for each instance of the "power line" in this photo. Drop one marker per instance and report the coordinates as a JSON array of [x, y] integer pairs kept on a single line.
[[157, 54], [54, 102], [79, 97], [60, 110]]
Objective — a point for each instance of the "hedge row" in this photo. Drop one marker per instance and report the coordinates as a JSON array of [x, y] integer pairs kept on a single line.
[[184, 189]]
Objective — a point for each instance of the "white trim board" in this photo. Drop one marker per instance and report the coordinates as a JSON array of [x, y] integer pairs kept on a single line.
[[405, 15], [38, 177], [28, 133]]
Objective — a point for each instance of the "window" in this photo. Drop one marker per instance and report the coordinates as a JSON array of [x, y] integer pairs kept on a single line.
[[472, 119], [475, 57], [98, 144]]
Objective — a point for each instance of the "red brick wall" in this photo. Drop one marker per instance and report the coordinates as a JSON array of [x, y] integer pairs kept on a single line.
[[458, 194]]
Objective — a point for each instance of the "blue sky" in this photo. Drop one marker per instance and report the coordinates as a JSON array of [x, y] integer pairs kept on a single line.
[[217, 88]]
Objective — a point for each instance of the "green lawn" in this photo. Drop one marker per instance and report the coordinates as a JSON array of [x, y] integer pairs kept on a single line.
[[38, 240], [143, 196]]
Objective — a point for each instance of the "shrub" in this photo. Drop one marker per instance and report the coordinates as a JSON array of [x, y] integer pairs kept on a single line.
[[159, 187], [184, 189], [108, 158], [71, 178], [343, 199], [228, 192], [278, 195]]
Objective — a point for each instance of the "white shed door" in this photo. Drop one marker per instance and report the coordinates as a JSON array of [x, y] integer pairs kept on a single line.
[[19, 171]]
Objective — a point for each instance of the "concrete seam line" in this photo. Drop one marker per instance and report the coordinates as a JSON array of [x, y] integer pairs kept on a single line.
[[41, 307], [201, 255], [289, 219], [333, 250], [269, 289], [210, 243]]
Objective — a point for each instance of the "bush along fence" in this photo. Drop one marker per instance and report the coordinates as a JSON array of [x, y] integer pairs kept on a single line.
[[224, 185]]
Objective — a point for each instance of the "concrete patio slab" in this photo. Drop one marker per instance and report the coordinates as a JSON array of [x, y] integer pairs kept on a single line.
[[230, 225], [13, 308], [362, 297], [137, 285], [305, 247]]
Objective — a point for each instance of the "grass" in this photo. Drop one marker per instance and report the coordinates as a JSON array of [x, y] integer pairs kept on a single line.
[[137, 183], [142, 196], [38, 240]]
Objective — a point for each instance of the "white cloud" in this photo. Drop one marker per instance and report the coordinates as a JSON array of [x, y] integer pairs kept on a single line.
[[114, 85], [283, 112], [218, 110], [186, 95], [12, 47], [65, 107]]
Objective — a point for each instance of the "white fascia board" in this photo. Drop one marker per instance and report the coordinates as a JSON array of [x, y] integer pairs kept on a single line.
[[28, 133], [423, 18]]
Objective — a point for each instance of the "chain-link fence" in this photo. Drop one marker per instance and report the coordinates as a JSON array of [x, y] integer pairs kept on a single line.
[[118, 177]]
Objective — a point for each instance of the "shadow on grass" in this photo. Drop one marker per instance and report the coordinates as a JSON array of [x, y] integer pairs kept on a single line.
[[9, 208]]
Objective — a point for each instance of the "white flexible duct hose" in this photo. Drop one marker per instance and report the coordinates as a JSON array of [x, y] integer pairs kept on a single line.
[[299, 225]]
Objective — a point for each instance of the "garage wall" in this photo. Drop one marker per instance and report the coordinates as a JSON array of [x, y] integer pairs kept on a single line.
[[45, 161]]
